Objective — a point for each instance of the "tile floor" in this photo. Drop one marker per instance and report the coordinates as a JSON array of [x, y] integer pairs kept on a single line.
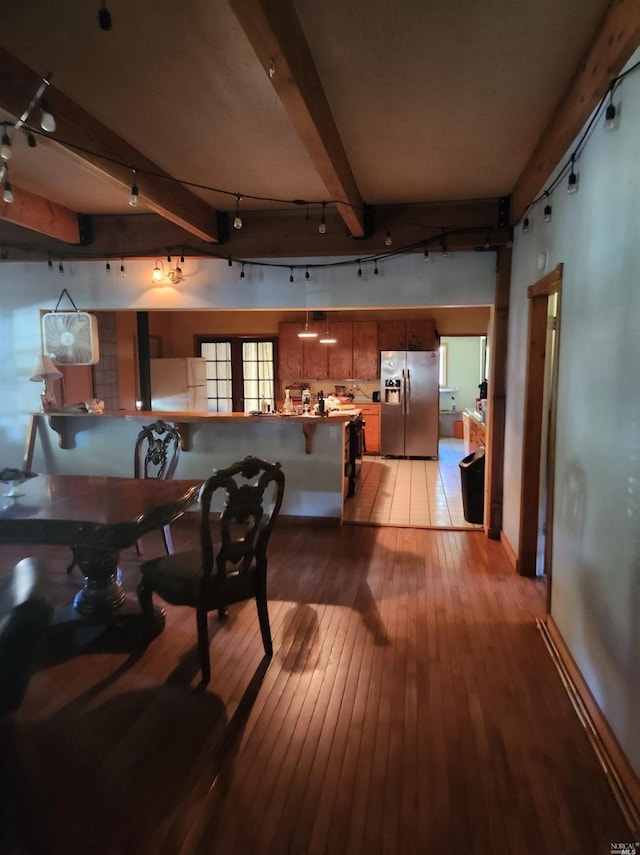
[[416, 493]]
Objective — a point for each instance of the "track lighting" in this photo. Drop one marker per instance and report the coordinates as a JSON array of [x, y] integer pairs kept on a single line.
[[306, 274], [359, 269], [133, 198], [306, 332], [3, 171], [242, 272], [5, 146], [388, 241], [47, 119], [291, 274], [7, 193], [525, 225], [546, 214], [375, 267], [182, 258], [108, 268], [427, 257], [168, 258], [237, 221], [50, 265], [122, 270], [322, 228], [60, 269]]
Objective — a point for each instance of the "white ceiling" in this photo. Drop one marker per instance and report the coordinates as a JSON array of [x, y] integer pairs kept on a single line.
[[432, 100]]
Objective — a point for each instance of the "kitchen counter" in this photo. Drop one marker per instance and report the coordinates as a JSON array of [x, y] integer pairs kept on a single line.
[[310, 448]]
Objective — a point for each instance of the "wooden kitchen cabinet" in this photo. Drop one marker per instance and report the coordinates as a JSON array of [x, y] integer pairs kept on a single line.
[[315, 362], [371, 416], [340, 354], [408, 335], [289, 352], [366, 356]]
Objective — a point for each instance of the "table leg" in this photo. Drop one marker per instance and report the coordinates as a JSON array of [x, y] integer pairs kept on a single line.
[[102, 593]]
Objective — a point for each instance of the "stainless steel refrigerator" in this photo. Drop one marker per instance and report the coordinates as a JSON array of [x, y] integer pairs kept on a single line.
[[409, 403]]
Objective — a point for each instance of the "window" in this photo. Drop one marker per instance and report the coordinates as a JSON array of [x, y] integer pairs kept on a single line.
[[240, 373]]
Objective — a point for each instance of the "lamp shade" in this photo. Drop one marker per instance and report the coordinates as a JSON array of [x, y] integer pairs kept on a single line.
[[44, 369]]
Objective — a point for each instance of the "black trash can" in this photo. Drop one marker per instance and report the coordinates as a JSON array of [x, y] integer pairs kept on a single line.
[[472, 481]]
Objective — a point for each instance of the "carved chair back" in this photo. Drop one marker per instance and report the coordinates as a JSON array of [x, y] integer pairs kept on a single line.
[[157, 451], [234, 541]]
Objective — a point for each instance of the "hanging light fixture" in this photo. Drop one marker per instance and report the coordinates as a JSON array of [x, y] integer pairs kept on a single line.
[[525, 225], [306, 332], [123, 272], [388, 241], [237, 221], [546, 214], [5, 146], [572, 183], [327, 338], [133, 197], [322, 228], [610, 123], [107, 268], [47, 119], [291, 274], [7, 192]]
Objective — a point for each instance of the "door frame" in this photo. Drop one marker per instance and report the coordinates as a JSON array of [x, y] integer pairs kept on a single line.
[[538, 295]]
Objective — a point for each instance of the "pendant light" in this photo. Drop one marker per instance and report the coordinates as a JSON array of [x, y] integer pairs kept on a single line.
[[327, 338], [306, 332]]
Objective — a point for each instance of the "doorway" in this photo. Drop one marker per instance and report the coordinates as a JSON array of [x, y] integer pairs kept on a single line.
[[536, 505]]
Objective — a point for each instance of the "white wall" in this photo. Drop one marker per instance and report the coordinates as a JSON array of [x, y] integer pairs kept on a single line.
[[595, 591], [463, 279]]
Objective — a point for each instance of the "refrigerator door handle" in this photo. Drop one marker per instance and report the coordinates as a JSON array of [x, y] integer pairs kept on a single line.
[[407, 390]]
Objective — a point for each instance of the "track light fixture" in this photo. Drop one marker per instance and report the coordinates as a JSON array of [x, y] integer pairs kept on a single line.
[[388, 241], [375, 267], [133, 198], [610, 123], [306, 273], [237, 221], [427, 257], [60, 269], [322, 228], [7, 193], [359, 270], [242, 272], [123, 272], [291, 274], [546, 214], [108, 269], [525, 225]]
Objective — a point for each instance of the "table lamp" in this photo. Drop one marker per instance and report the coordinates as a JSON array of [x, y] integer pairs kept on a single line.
[[44, 370]]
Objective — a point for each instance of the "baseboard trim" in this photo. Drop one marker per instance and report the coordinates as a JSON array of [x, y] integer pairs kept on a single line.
[[622, 779], [509, 551]]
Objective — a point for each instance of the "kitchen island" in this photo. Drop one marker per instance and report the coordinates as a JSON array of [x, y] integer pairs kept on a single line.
[[311, 449]]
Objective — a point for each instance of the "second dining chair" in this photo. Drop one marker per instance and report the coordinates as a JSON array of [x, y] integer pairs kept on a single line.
[[231, 564], [155, 455]]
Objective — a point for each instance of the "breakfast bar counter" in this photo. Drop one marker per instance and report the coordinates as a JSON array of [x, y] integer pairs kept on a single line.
[[310, 448]]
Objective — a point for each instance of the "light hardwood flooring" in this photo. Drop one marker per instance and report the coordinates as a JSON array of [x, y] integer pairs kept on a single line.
[[420, 493], [410, 707]]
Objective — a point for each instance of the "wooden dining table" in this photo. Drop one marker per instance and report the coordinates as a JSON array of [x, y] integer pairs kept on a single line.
[[97, 517]]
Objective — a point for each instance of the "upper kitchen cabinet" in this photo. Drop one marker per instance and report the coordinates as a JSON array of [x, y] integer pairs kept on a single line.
[[408, 335], [290, 352], [315, 364], [422, 335], [340, 354], [366, 355]]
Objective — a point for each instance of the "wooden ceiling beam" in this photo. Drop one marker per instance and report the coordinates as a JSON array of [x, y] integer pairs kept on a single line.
[[42, 216], [617, 38], [287, 234], [93, 143], [275, 33]]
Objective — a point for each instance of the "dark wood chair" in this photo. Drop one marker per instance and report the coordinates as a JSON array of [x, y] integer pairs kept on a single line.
[[231, 564], [25, 613], [156, 455]]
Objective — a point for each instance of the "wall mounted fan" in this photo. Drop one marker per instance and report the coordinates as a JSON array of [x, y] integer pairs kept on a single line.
[[70, 338]]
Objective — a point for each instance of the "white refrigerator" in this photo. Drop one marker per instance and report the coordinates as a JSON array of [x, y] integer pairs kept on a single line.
[[179, 385]]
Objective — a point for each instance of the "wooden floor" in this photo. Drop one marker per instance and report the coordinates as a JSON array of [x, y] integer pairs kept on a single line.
[[410, 707]]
